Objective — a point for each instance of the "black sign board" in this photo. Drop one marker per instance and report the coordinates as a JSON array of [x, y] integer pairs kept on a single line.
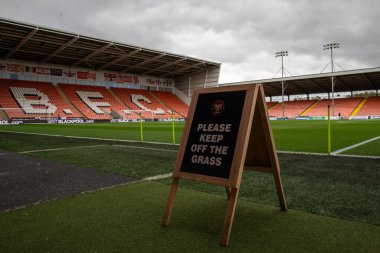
[[227, 130], [213, 134]]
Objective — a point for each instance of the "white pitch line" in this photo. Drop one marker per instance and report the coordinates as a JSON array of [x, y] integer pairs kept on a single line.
[[358, 156], [137, 147], [163, 143], [158, 177], [54, 149], [89, 138], [300, 153], [325, 154], [354, 146]]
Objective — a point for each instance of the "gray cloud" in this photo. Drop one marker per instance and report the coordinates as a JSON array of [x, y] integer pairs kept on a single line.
[[243, 35]]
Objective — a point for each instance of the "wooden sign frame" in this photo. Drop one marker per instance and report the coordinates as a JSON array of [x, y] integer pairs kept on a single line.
[[254, 149]]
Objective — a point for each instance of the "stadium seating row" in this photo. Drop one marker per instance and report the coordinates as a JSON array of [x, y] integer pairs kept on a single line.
[[343, 107], [28, 99]]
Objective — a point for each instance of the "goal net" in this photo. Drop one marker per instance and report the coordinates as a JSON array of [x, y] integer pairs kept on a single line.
[[137, 115], [26, 113]]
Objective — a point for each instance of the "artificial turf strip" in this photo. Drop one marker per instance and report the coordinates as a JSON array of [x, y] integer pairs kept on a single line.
[[127, 219]]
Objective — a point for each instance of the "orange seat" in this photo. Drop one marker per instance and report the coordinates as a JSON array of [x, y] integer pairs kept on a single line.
[[9, 89], [342, 106], [77, 95], [173, 102], [292, 109], [143, 100], [371, 107]]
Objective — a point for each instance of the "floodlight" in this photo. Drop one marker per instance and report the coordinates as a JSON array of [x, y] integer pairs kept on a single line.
[[282, 54], [330, 47]]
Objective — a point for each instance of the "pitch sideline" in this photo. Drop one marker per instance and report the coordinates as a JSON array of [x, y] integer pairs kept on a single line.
[[354, 146], [55, 149], [89, 138], [335, 153]]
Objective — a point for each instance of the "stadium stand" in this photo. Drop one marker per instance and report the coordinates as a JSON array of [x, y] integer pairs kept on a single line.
[[371, 107], [172, 102], [271, 104], [95, 102], [40, 100], [31, 100], [292, 108], [144, 100], [342, 106]]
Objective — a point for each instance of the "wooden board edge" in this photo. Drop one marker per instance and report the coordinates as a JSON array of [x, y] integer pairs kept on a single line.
[[243, 136]]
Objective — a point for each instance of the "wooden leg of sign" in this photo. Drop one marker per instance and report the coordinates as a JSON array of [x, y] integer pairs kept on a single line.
[[169, 204], [228, 220], [280, 190], [228, 191]]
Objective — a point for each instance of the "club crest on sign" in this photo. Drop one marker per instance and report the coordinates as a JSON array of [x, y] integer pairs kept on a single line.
[[217, 107]]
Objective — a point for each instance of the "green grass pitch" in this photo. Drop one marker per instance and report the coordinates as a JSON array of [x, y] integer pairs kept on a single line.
[[128, 218], [302, 136]]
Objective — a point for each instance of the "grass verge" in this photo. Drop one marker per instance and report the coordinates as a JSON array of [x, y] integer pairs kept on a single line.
[[128, 218], [341, 187]]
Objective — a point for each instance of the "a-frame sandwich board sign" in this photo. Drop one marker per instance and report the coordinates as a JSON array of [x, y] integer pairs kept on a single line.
[[227, 130]]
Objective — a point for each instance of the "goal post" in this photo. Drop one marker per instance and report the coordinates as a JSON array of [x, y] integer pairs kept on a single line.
[[22, 113], [137, 115]]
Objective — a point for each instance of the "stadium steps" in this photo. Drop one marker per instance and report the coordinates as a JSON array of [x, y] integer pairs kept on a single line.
[[67, 100], [168, 106], [127, 94], [3, 115], [121, 101], [115, 115], [371, 107], [357, 109], [308, 109], [271, 104]]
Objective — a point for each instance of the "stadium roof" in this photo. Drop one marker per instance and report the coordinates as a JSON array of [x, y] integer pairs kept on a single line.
[[352, 80], [27, 42]]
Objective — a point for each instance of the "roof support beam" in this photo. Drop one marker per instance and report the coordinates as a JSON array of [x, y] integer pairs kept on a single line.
[[60, 49], [164, 66], [297, 86], [144, 62], [338, 80], [369, 81], [316, 84], [184, 68], [273, 87], [92, 54], [192, 73], [122, 57], [22, 42]]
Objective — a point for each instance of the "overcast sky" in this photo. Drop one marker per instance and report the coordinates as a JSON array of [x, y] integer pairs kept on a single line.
[[242, 35]]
